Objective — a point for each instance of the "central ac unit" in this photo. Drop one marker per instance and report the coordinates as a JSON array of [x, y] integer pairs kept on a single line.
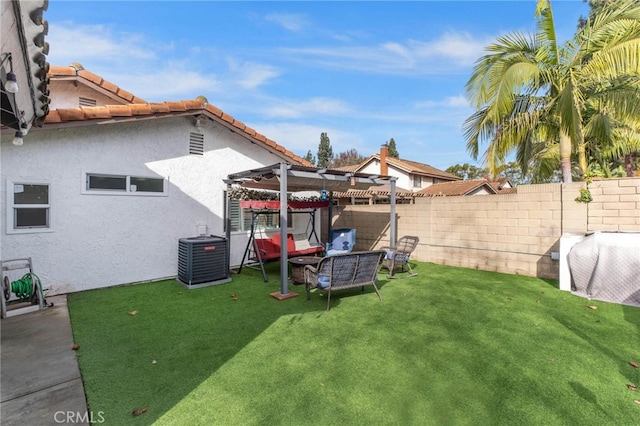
[[202, 261]]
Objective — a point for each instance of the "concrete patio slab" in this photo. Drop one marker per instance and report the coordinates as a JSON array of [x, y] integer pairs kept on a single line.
[[40, 381]]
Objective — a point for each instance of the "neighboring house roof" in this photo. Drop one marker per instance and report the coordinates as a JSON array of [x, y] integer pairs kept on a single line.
[[138, 109], [503, 190], [410, 167], [462, 187], [502, 186], [504, 183], [416, 168], [351, 168]]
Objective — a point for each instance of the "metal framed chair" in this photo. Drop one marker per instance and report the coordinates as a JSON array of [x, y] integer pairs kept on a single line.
[[398, 257], [342, 271]]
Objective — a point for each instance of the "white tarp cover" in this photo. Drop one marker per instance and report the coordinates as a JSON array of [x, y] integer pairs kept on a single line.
[[606, 266]]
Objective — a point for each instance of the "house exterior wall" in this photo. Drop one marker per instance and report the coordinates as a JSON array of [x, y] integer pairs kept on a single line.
[[104, 240], [514, 233], [481, 191], [67, 95], [405, 180]]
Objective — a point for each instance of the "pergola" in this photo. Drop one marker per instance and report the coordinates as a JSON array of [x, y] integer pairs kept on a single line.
[[285, 177]]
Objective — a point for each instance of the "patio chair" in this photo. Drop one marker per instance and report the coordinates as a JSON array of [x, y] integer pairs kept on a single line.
[[342, 271], [397, 257]]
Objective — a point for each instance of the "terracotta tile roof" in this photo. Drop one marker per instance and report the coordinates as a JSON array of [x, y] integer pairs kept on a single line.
[[416, 168], [76, 72], [503, 186], [412, 167], [508, 191], [456, 188], [140, 109], [351, 168]]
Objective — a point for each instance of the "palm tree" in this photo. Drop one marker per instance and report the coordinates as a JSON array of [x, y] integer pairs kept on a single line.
[[532, 94]]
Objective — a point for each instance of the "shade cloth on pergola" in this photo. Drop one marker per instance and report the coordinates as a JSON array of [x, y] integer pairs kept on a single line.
[[285, 177]]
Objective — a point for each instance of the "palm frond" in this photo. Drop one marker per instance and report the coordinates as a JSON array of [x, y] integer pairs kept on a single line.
[[599, 128], [511, 50], [538, 98], [623, 59], [546, 34]]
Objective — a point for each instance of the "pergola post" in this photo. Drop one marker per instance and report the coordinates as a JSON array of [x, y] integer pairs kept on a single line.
[[227, 225], [284, 264], [392, 220]]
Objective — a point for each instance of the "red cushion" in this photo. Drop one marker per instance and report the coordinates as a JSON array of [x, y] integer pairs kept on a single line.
[[291, 244], [268, 249]]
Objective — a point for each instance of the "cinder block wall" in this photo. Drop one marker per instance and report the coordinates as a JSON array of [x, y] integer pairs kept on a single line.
[[506, 233], [615, 205]]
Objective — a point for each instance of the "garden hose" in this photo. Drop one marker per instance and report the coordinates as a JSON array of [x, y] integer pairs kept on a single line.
[[24, 288]]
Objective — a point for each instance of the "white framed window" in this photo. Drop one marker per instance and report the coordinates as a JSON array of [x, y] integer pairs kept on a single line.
[[29, 208], [112, 184], [417, 181], [241, 219]]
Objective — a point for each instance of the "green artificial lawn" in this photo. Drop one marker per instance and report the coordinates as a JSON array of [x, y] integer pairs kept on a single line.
[[451, 346]]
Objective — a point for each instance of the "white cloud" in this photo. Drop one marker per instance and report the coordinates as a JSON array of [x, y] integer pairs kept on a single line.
[[457, 102], [307, 108], [300, 137], [290, 21], [460, 48], [396, 49], [170, 83], [450, 53], [95, 43], [250, 75], [155, 72], [448, 102], [257, 76]]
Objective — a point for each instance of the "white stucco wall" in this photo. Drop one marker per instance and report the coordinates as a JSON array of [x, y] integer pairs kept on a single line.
[[482, 191], [67, 95], [104, 240], [404, 181]]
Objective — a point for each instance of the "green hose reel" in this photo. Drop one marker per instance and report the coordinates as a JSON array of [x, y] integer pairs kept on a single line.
[[25, 288], [23, 295]]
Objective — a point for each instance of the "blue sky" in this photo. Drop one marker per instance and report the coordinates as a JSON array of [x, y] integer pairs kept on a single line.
[[363, 72]]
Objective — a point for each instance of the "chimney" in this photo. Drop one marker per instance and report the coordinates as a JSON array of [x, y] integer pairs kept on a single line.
[[384, 153]]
